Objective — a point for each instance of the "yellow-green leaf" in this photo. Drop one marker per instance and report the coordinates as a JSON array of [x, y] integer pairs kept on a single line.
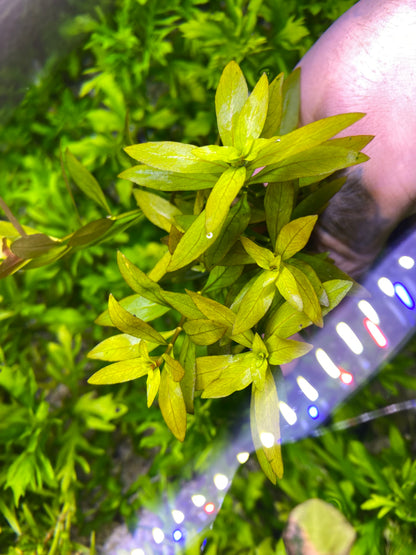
[[139, 281], [212, 310], [316, 201], [288, 288], [278, 205], [318, 162], [214, 152], [304, 138], [221, 314], [86, 181], [262, 257], [204, 332], [237, 220], [294, 236], [222, 195], [172, 405], [152, 385], [253, 115], [265, 413], [183, 304], [193, 243], [116, 348], [282, 351], [222, 375], [156, 209], [256, 301], [274, 112], [130, 324], [261, 456], [123, 371], [170, 181], [222, 277], [172, 156], [136, 304], [187, 359], [291, 103], [296, 288], [286, 320], [336, 290], [313, 278], [230, 97], [174, 367]]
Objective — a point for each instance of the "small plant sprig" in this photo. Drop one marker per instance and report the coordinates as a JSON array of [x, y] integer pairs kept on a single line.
[[242, 242]]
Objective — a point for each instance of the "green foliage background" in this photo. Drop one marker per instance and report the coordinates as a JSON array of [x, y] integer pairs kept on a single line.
[[62, 443]]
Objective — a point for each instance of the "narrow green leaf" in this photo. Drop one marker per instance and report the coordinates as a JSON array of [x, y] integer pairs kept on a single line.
[[256, 301], [262, 257], [204, 332], [230, 97], [316, 202], [251, 119], [237, 221], [313, 278], [32, 246], [318, 161], [89, 233], [354, 142], [305, 138], [183, 304], [222, 195], [130, 324], [152, 385], [214, 152], [212, 310], [169, 180], [274, 112], [116, 348], [282, 351], [288, 288], [294, 236], [261, 456], [156, 209], [172, 405], [86, 181], [336, 290], [311, 306], [194, 242], [291, 103], [139, 281], [120, 372], [136, 304], [188, 362], [222, 375], [172, 156], [174, 367], [222, 315], [222, 277], [286, 320], [266, 422], [278, 205], [325, 269]]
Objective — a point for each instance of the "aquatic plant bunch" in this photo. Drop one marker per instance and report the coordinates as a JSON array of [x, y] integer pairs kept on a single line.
[[235, 248]]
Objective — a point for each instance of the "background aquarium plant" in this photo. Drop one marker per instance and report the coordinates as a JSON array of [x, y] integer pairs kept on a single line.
[[79, 460]]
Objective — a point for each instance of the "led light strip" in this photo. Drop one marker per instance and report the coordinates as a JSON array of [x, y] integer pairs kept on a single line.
[[356, 339]]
